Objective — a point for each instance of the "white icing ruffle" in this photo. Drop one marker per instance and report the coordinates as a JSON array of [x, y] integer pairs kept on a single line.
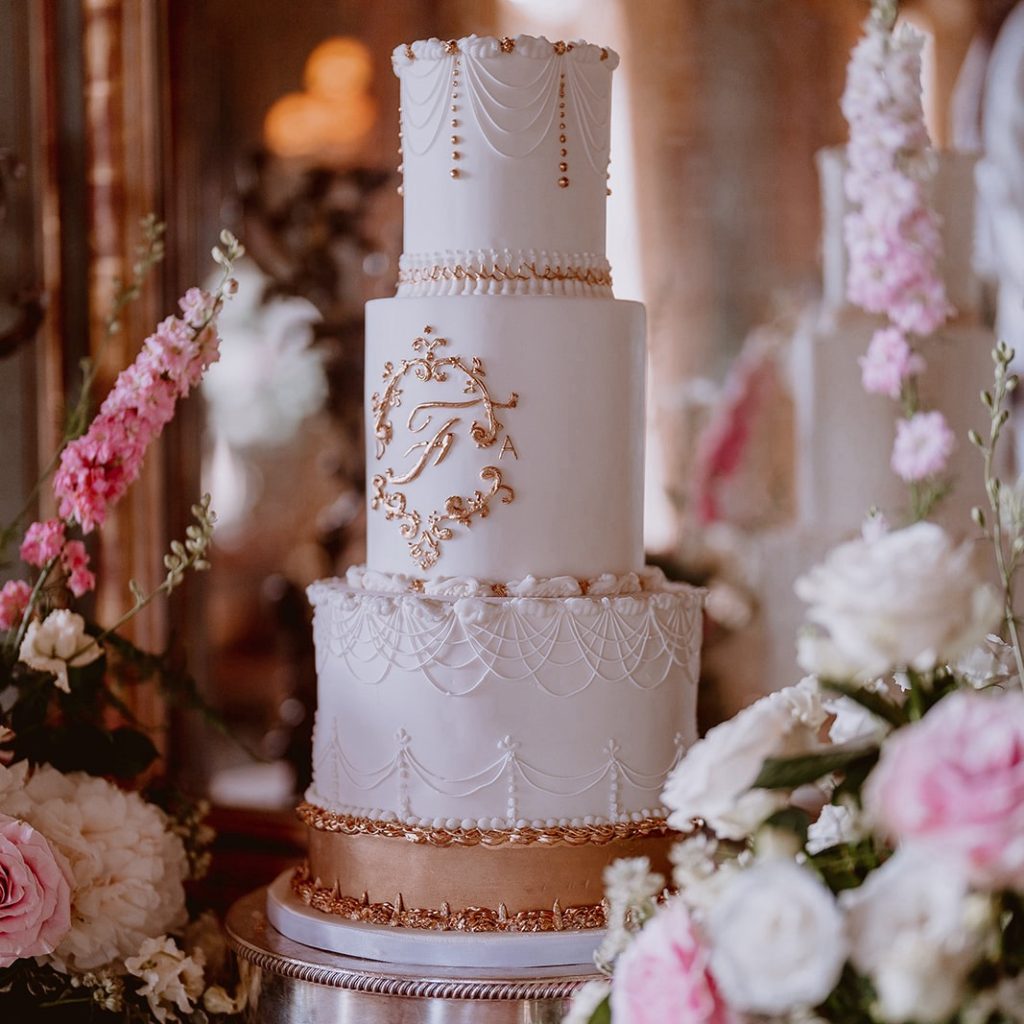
[[504, 272], [531, 47], [650, 583]]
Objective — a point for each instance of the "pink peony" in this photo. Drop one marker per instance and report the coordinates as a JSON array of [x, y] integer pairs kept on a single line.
[[923, 446], [42, 542], [956, 780], [35, 898], [889, 361], [14, 598], [663, 976]]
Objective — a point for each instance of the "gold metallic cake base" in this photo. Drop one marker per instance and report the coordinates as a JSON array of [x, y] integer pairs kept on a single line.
[[289, 983], [529, 880]]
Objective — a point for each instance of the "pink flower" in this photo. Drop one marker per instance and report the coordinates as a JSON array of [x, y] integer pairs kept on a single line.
[[892, 234], [97, 468], [196, 306], [35, 898], [956, 779], [75, 560], [663, 976], [42, 542], [889, 361], [923, 446], [14, 597]]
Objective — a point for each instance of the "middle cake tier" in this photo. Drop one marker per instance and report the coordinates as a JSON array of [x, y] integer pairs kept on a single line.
[[506, 436]]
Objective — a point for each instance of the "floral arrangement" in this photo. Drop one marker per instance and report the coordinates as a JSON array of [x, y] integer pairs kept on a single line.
[[92, 871], [894, 242], [853, 845]]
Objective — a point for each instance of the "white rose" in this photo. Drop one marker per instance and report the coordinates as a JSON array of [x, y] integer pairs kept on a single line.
[[55, 643], [915, 932], [713, 781], [908, 598], [777, 939], [170, 978]]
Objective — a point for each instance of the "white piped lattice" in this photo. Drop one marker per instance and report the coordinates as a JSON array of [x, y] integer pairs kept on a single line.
[[562, 645]]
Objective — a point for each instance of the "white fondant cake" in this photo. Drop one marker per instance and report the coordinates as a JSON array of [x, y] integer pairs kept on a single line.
[[844, 436], [504, 666]]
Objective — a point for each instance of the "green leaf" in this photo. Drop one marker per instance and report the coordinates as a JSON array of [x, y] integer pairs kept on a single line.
[[603, 1013], [845, 865], [803, 769], [878, 705], [792, 819]]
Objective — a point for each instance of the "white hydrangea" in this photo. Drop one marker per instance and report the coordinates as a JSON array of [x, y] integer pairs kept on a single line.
[[171, 980], [124, 866]]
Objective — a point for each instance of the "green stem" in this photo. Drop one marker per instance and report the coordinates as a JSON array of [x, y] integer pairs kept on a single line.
[[32, 599], [1006, 572]]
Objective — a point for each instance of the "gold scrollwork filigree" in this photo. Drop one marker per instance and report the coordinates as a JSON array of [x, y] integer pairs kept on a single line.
[[426, 534]]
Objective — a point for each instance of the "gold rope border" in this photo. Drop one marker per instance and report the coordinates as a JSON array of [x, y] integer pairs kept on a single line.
[[569, 835], [593, 276], [467, 919]]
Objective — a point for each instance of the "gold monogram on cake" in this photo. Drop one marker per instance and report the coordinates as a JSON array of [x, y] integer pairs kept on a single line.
[[425, 534]]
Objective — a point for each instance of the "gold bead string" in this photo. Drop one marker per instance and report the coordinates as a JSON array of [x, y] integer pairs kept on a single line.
[[452, 48]]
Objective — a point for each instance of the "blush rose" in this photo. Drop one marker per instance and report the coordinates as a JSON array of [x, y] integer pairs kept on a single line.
[[35, 898]]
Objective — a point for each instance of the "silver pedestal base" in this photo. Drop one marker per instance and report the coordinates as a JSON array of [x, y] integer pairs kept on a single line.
[[289, 983]]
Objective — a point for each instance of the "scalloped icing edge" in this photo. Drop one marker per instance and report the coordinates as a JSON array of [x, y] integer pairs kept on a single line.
[[649, 581], [471, 825], [533, 47]]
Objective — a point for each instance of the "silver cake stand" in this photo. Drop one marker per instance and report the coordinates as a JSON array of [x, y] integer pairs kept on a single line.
[[290, 983]]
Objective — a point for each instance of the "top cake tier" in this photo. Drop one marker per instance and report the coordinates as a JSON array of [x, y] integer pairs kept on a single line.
[[504, 154]]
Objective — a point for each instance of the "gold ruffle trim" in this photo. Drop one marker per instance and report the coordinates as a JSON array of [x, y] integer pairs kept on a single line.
[[593, 276], [569, 835], [468, 919]]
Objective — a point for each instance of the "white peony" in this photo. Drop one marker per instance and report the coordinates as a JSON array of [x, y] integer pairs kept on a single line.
[[713, 781], [915, 932], [170, 978], [908, 598], [55, 643], [124, 866], [777, 939]]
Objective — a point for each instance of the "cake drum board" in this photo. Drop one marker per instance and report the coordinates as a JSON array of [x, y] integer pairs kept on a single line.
[[426, 947], [289, 982]]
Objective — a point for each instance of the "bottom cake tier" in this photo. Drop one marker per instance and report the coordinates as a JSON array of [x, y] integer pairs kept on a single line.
[[483, 750]]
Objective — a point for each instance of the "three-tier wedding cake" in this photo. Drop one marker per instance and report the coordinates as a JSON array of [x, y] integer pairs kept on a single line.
[[504, 687]]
